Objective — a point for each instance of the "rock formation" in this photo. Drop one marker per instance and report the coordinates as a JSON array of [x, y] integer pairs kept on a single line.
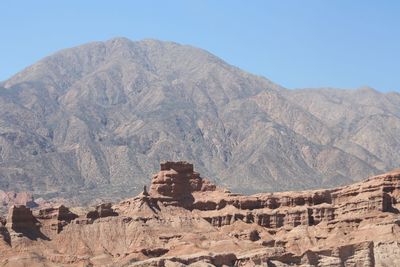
[[54, 218], [101, 211], [184, 219], [21, 221], [176, 182]]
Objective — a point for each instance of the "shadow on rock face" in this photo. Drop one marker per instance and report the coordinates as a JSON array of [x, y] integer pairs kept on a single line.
[[21, 220], [5, 235]]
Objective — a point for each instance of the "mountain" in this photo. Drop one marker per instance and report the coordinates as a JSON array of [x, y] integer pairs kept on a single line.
[[185, 220], [94, 121]]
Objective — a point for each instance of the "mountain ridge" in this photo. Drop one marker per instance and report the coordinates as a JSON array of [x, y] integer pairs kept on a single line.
[[95, 120]]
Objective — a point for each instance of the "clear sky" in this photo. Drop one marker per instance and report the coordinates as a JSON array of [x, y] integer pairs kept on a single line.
[[336, 43]]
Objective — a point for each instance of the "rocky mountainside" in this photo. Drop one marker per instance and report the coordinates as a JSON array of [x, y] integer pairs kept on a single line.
[[94, 120], [184, 220]]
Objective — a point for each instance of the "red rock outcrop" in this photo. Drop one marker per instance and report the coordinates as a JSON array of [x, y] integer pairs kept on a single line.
[[20, 221], [184, 219], [53, 219], [101, 211], [176, 182]]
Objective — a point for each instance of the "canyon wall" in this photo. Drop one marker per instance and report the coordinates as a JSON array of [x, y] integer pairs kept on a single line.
[[184, 219]]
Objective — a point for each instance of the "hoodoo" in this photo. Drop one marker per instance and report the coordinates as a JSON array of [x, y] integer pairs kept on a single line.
[[176, 182]]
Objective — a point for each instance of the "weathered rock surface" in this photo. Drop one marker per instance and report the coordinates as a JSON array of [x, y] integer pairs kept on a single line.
[[94, 120], [53, 219], [354, 225], [101, 211], [176, 182], [21, 222]]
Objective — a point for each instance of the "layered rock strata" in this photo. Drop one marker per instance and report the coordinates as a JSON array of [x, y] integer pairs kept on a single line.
[[176, 182], [101, 211], [53, 219], [184, 219]]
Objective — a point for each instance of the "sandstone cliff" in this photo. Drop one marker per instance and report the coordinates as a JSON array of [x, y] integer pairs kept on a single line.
[[184, 219]]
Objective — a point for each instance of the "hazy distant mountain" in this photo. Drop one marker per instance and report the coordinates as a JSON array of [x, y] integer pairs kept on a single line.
[[95, 121]]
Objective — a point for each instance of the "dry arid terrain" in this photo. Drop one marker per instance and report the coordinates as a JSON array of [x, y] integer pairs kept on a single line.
[[183, 219], [93, 122], [90, 124]]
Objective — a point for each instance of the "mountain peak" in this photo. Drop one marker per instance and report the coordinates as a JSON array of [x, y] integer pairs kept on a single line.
[[125, 40], [98, 117], [367, 89], [119, 39], [167, 60]]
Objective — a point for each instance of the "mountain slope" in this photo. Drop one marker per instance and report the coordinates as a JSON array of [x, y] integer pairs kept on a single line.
[[95, 120]]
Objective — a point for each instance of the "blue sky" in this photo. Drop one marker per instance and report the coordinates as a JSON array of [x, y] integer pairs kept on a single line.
[[337, 43]]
